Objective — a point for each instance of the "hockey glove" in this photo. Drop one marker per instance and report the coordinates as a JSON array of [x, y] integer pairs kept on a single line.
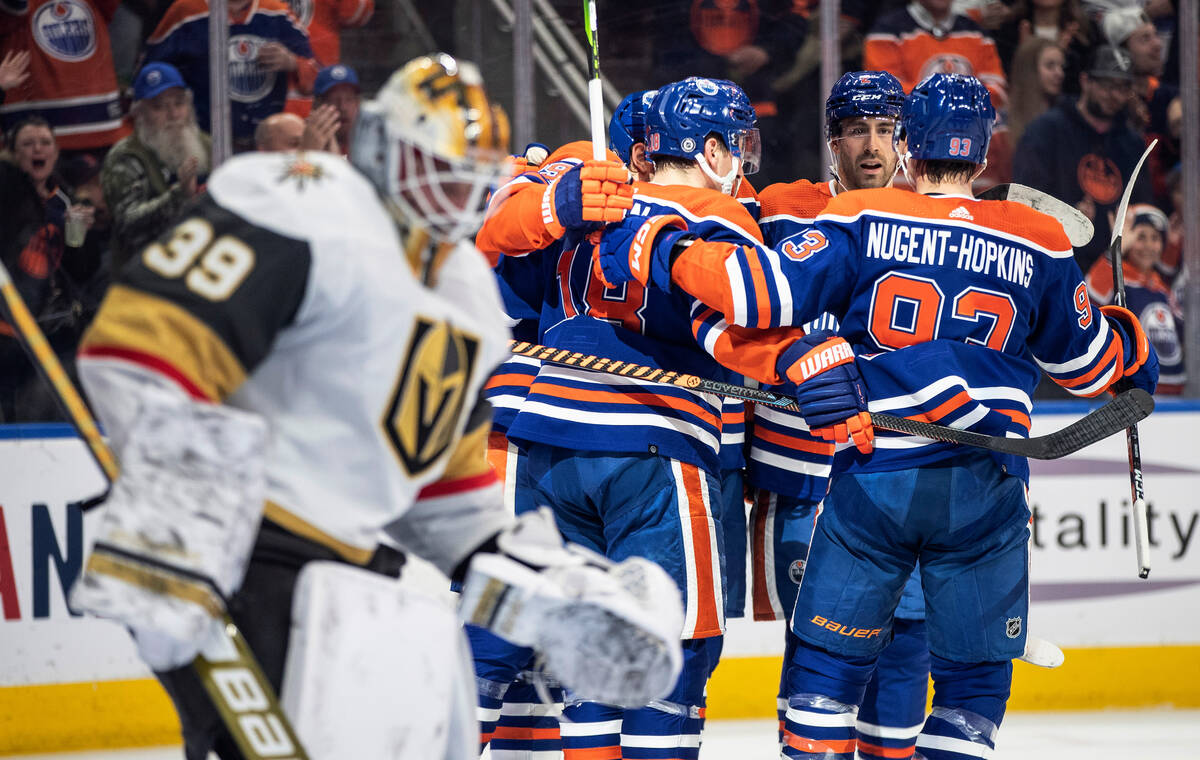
[[639, 248], [829, 390], [1140, 360], [608, 631], [587, 197]]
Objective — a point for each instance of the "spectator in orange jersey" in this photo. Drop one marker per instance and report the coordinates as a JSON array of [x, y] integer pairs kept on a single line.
[[71, 83], [324, 20], [267, 48], [1147, 295]]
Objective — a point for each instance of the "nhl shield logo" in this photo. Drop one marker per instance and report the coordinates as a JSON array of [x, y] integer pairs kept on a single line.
[[1013, 627], [66, 30], [248, 82]]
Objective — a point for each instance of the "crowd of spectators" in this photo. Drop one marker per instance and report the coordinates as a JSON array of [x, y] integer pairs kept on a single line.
[[96, 164], [1080, 86], [92, 168]]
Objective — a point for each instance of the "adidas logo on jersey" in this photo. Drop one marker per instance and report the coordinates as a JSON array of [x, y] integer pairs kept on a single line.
[[961, 213]]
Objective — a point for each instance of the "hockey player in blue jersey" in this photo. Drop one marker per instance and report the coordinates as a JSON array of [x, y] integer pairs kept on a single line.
[[789, 468], [950, 309], [624, 463]]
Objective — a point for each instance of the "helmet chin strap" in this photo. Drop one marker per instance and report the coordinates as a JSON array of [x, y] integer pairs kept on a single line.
[[902, 162], [729, 183]]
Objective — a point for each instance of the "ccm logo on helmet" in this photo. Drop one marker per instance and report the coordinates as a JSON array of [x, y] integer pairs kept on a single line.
[[822, 357]]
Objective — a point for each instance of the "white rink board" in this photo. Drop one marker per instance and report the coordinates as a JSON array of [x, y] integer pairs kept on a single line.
[[1084, 582]]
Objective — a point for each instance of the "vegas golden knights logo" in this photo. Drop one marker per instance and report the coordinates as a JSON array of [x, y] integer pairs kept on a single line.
[[423, 414]]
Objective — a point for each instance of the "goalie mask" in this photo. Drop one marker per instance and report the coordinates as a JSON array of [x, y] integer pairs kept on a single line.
[[433, 144]]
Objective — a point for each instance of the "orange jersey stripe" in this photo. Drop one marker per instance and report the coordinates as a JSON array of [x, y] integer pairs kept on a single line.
[[592, 753], [708, 622], [524, 732], [818, 745], [618, 397], [940, 411], [902, 753], [1113, 353], [759, 569], [509, 378], [793, 442], [1020, 418]]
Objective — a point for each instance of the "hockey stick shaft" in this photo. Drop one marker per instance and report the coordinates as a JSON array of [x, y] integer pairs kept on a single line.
[[229, 671], [595, 85], [1113, 417], [43, 357], [1141, 531]]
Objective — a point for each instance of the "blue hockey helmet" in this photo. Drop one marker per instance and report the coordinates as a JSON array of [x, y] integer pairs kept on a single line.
[[683, 114], [628, 125], [948, 117], [863, 93]]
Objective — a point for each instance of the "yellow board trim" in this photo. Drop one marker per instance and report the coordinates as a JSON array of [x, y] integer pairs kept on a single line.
[[1090, 679], [85, 716], [137, 713]]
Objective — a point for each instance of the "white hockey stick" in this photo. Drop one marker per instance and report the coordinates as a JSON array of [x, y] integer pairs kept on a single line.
[[1141, 532], [1078, 227], [1042, 653], [595, 85]]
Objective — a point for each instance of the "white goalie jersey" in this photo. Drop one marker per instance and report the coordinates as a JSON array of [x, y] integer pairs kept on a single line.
[[285, 290]]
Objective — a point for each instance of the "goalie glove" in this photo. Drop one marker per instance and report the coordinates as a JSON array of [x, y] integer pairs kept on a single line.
[[587, 197], [639, 248], [1139, 359], [608, 631], [829, 389]]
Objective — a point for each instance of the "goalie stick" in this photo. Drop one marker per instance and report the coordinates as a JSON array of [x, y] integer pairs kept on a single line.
[[1124, 410], [1141, 533], [228, 669], [1078, 227]]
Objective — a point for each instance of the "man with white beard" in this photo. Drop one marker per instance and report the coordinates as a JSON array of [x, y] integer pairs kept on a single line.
[[149, 175]]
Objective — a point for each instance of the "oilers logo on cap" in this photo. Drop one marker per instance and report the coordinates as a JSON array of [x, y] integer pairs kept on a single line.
[[248, 82], [66, 30], [707, 86], [153, 78], [338, 72]]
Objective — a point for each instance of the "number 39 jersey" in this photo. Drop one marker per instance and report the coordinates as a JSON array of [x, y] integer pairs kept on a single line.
[[284, 290]]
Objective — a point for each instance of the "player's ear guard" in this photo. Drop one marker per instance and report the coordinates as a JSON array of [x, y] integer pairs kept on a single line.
[[639, 249]]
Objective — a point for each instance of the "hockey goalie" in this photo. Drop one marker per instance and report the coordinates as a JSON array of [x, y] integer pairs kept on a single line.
[[291, 378]]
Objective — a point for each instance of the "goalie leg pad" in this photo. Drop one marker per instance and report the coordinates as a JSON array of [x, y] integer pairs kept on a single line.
[[377, 669]]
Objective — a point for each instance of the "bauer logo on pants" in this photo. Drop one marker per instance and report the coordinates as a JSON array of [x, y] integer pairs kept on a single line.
[[1013, 627]]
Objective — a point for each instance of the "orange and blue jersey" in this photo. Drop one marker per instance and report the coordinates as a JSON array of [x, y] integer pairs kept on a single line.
[[784, 456], [72, 83], [980, 295], [589, 411], [181, 40]]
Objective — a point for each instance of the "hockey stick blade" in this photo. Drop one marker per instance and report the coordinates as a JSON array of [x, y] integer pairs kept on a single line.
[[1123, 411], [1118, 414], [1078, 227]]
